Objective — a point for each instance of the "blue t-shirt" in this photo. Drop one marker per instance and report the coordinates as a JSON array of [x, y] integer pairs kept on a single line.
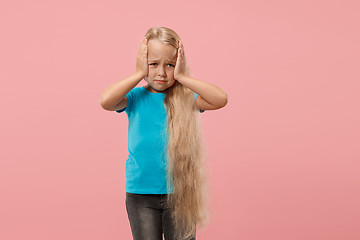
[[145, 168]]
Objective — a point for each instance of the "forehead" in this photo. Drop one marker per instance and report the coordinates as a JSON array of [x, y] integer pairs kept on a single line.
[[159, 51]]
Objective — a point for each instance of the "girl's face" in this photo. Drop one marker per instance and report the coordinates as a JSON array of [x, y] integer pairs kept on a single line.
[[161, 62]]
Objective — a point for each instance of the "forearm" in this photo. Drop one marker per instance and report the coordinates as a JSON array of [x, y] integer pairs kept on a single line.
[[113, 94], [209, 92]]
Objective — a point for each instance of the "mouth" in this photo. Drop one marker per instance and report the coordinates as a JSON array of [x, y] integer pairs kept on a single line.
[[160, 81]]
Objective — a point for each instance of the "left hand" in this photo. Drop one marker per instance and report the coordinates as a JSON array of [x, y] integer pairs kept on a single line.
[[180, 64]]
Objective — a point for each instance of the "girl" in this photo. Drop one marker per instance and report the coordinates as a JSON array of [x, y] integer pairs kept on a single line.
[[166, 186]]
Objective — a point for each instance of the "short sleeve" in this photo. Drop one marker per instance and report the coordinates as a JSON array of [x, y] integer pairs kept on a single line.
[[129, 97], [196, 95]]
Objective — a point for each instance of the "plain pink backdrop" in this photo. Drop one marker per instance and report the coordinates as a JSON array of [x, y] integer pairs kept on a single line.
[[283, 154]]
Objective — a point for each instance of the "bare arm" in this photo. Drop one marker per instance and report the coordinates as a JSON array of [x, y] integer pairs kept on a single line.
[[211, 97], [112, 98]]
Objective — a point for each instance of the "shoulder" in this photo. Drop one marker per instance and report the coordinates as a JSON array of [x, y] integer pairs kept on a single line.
[[128, 100]]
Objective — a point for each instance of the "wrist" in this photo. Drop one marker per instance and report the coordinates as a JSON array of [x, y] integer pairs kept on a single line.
[[180, 76], [139, 74]]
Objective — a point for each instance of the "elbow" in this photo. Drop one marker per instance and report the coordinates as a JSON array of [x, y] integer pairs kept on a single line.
[[221, 102], [101, 101], [103, 104], [224, 100]]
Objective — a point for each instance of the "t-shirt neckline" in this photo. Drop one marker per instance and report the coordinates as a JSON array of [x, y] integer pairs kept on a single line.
[[160, 93]]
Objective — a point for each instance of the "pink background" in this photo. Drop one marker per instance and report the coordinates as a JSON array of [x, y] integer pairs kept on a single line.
[[283, 154]]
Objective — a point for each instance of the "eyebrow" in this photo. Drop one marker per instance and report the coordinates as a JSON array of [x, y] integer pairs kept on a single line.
[[165, 60]]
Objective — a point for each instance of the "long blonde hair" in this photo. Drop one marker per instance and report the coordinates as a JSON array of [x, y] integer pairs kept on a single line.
[[186, 172]]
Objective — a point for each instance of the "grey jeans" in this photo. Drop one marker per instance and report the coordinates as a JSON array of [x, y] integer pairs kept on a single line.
[[149, 217]]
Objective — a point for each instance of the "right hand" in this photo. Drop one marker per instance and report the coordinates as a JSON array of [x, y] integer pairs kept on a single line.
[[141, 60]]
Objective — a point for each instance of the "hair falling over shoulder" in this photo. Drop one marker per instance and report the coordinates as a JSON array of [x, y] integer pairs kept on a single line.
[[186, 171]]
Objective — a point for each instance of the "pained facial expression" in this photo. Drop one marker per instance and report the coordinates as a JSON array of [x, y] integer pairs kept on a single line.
[[161, 63]]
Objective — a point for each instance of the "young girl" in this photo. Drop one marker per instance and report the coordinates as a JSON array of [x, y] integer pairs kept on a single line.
[[166, 186]]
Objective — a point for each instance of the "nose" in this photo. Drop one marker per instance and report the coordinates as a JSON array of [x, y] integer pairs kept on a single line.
[[161, 71]]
